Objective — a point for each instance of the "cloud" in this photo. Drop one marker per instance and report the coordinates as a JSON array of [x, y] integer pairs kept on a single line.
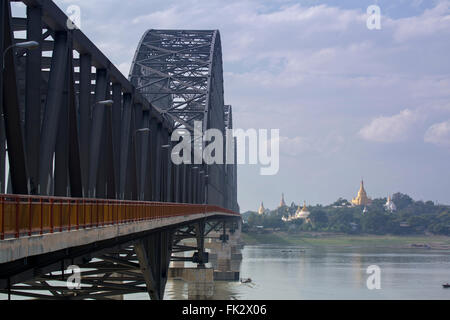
[[433, 21], [313, 70], [390, 129], [301, 145], [439, 134]]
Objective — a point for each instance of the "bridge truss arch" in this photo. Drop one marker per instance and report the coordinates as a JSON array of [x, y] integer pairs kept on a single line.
[[89, 157], [180, 73]]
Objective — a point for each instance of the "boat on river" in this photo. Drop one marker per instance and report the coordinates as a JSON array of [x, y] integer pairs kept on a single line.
[[247, 280]]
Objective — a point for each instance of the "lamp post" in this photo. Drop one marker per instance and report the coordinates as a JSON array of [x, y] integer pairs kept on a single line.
[[106, 103], [141, 130], [24, 45]]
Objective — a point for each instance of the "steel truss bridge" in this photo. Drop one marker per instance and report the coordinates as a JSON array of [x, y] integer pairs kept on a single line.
[[86, 176]]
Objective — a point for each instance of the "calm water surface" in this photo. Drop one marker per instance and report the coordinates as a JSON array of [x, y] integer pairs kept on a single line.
[[332, 273]]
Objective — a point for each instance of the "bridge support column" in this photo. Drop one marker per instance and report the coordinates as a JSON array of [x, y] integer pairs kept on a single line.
[[200, 237], [225, 254], [154, 254], [200, 283]]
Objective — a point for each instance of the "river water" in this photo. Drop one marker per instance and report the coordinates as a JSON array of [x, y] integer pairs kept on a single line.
[[332, 273], [295, 273]]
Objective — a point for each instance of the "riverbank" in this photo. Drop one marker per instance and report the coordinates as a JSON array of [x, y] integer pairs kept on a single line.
[[309, 239]]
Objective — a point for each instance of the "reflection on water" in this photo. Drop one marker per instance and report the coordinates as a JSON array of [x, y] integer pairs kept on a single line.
[[332, 273]]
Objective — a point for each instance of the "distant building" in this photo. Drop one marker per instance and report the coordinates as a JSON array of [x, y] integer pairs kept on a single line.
[[390, 205], [405, 225], [282, 202], [261, 209], [361, 199], [354, 226], [302, 213]]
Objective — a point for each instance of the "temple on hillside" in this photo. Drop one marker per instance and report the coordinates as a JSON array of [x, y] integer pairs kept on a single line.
[[302, 213], [390, 205], [261, 209], [362, 199]]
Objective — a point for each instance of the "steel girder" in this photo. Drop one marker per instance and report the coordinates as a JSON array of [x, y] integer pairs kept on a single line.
[[117, 267], [172, 69], [60, 141], [180, 73]]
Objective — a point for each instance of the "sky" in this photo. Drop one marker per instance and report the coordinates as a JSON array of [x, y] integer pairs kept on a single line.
[[350, 102]]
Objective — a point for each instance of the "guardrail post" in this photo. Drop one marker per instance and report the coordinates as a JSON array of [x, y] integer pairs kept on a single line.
[[30, 220], [70, 215], [61, 217], [2, 235], [17, 217], [77, 203], [96, 210], [42, 216], [51, 215]]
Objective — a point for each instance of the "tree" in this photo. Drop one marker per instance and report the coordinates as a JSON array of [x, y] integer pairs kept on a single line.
[[319, 219], [402, 200], [341, 202], [375, 222]]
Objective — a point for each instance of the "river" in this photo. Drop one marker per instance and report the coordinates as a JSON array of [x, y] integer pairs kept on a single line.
[[332, 273]]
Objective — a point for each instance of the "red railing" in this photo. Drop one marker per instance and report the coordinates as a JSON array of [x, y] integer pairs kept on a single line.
[[26, 215]]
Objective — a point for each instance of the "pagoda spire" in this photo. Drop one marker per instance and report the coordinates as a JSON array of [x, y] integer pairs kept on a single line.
[[282, 202], [261, 209]]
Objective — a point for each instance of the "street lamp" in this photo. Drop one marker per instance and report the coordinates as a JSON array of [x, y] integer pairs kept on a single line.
[[107, 103], [142, 130], [23, 45]]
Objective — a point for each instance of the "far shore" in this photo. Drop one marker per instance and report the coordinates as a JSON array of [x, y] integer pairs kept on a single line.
[[316, 239]]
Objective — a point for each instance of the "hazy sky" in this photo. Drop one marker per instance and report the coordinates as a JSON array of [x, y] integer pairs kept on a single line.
[[349, 102]]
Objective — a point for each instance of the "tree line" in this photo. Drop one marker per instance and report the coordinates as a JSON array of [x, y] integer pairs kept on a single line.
[[410, 217]]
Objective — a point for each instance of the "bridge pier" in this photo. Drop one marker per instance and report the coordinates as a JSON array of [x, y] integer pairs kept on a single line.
[[225, 252], [200, 281]]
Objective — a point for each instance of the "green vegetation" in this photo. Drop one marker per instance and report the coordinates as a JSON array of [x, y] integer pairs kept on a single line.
[[307, 239], [410, 218]]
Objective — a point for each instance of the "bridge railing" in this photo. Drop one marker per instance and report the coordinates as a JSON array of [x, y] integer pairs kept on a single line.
[[27, 215]]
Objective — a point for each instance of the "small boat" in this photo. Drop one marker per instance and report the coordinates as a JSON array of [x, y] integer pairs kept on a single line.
[[247, 280], [446, 285]]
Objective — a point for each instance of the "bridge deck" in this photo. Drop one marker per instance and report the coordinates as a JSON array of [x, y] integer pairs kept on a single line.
[[32, 225]]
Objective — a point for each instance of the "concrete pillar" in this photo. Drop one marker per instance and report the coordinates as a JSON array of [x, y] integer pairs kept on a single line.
[[225, 257], [200, 283]]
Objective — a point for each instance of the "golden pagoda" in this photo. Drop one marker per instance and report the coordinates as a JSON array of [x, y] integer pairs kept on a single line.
[[301, 213], [362, 199], [304, 213], [261, 209], [282, 203]]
